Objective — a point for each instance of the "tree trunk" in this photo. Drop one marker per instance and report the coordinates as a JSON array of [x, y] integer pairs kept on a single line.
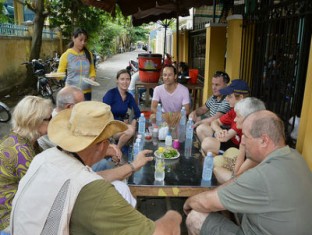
[[36, 40]]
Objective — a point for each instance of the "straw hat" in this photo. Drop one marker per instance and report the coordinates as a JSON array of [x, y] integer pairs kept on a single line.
[[228, 159], [86, 123]]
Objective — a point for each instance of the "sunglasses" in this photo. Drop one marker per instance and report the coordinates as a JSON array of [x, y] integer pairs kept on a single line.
[[48, 119]]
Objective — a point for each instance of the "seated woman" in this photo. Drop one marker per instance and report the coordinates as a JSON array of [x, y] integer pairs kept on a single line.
[[233, 161], [172, 95], [30, 120], [183, 69], [120, 101]]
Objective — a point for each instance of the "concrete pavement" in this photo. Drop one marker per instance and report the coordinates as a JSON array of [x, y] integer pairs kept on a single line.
[[106, 72]]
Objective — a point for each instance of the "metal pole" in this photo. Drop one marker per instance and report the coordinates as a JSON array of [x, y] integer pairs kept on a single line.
[[214, 11], [165, 25], [177, 41]]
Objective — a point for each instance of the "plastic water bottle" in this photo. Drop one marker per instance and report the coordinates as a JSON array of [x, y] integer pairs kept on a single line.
[[155, 135], [158, 115], [159, 173], [189, 138], [189, 129], [141, 141], [140, 144], [208, 167], [142, 122], [188, 148], [136, 148], [168, 140], [182, 125]]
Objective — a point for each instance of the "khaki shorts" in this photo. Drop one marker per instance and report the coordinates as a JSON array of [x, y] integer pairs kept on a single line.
[[217, 224]]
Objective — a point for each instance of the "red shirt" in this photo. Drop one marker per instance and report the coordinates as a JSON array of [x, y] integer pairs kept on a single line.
[[228, 120]]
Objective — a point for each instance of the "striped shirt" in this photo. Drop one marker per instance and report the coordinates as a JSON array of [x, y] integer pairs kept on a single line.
[[215, 106]]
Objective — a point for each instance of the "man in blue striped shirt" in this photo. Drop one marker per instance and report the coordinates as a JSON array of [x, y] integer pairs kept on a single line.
[[216, 105]]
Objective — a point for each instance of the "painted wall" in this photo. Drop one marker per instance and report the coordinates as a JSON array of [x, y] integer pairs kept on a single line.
[[16, 50], [183, 46], [215, 52], [234, 44], [304, 140]]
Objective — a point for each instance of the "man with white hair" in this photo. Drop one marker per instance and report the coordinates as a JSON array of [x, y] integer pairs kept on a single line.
[[66, 98], [67, 196], [233, 162]]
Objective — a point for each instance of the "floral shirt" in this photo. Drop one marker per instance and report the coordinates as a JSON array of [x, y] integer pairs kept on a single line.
[[16, 153]]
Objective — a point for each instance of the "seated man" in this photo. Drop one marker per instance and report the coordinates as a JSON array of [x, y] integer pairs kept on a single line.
[[67, 196], [172, 95], [233, 162], [269, 197], [216, 105], [66, 98], [223, 138]]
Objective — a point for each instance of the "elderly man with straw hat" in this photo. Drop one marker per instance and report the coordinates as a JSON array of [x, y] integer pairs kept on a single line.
[[67, 196]]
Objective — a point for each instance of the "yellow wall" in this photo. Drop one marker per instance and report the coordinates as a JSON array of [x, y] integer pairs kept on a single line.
[[234, 43], [304, 141], [215, 54], [183, 46], [18, 12], [16, 50]]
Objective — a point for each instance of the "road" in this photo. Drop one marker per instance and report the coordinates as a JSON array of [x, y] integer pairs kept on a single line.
[[106, 76], [106, 72]]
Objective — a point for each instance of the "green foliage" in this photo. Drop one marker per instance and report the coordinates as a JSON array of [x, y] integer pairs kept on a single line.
[[71, 14], [139, 33], [3, 17], [107, 33]]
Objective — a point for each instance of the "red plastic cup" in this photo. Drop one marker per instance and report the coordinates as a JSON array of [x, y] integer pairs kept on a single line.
[[193, 73]]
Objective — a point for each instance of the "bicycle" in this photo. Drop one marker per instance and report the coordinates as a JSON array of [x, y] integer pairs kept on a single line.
[[5, 114], [43, 85]]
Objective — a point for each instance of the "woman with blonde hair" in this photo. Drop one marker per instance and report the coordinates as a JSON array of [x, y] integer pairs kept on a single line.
[[30, 120]]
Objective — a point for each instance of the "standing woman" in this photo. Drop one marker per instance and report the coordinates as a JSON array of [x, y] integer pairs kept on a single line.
[[30, 120], [120, 101], [77, 61]]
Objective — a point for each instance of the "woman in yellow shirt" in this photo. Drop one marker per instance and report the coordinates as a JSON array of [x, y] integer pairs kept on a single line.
[[77, 62]]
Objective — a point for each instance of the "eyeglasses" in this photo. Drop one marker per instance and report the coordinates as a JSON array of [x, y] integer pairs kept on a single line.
[[48, 119]]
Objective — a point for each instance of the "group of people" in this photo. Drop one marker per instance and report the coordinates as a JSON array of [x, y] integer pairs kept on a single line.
[[51, 181]]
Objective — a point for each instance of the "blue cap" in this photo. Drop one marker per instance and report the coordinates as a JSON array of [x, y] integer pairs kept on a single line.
[[237, 86]]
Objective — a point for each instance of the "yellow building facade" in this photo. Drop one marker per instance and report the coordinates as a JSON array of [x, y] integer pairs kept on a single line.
[[224, 43]]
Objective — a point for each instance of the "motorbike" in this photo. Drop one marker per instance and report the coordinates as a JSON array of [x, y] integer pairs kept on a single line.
[[133, 67], [5, 114], [97, 59], [43, 84]]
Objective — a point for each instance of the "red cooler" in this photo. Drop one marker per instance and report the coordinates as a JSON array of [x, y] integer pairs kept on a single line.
[[149, 67]]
